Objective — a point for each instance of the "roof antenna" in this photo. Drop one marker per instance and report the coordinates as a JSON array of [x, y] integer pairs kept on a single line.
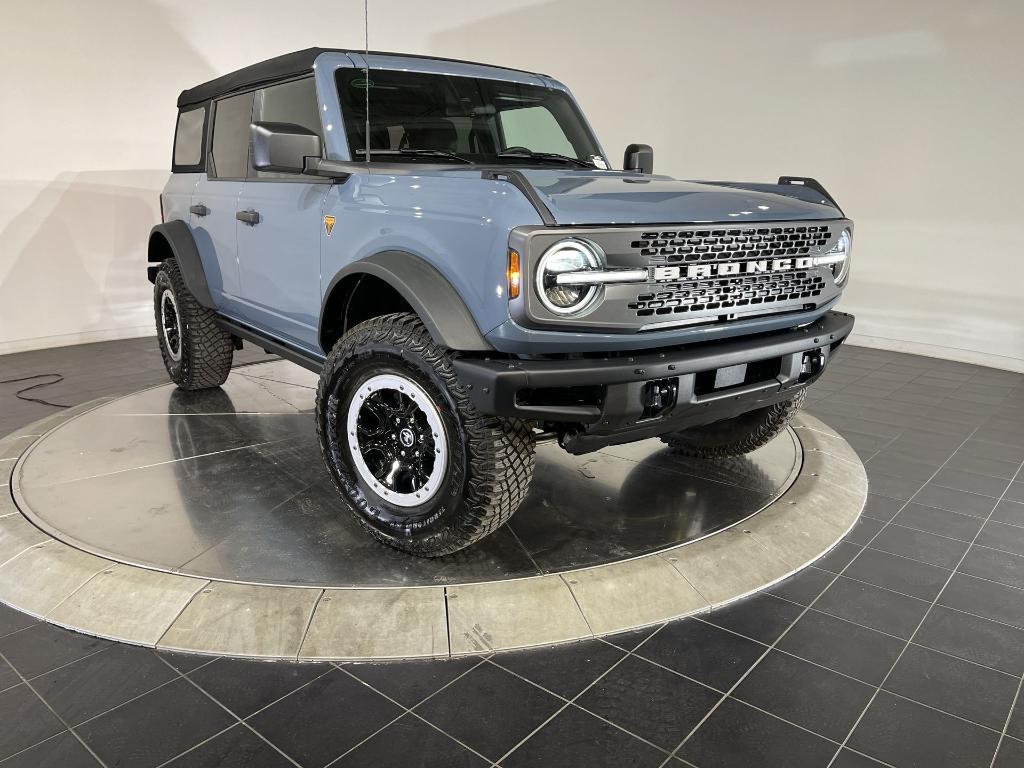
[[366, 73]]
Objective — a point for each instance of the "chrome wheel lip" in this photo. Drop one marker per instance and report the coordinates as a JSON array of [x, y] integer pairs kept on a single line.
[[167, 324], [426, 404]]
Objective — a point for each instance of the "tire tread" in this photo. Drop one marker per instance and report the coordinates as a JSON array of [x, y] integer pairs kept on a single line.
[[736, 437], [500, 451], [207, 350]]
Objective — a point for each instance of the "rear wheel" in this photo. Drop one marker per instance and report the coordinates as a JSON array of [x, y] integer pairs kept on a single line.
[[196, 351], [738, 435], [423, 471]]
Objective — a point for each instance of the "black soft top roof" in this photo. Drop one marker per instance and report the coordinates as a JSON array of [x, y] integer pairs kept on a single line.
[[280, 67]]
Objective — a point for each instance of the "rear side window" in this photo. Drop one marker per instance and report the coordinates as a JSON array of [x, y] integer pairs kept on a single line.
[[189, 138], [293, 102], [231, 119]]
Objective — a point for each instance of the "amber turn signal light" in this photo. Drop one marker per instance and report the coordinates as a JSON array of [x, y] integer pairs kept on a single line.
[[513, 274]]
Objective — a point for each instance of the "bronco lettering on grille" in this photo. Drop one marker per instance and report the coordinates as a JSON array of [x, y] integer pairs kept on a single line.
[[726, 268]]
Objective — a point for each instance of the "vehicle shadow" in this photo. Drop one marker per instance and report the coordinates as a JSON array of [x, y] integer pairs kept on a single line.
[[90, 95]]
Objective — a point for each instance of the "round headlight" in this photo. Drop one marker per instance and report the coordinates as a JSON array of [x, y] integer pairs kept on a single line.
[[840, 254], [564, 257]]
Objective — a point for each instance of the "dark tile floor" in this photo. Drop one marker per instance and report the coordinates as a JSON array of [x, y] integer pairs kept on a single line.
[[904, 646]]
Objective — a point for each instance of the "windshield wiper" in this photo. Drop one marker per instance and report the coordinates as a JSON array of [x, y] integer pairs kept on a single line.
[[416, 153], [547, 156]]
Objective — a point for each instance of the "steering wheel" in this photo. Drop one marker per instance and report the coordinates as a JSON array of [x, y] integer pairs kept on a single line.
[[516, 151]]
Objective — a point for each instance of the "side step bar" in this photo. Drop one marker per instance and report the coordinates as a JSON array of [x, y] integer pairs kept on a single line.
[[301, 357]]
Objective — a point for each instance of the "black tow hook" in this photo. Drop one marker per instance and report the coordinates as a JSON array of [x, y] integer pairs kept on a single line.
[[659, 396]]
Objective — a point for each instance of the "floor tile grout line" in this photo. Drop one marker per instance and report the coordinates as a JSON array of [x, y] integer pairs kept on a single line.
[[56, 714], [725, 696], [48, 739], [405, 711], [202, 743], [933, 533], [862, 626], [238, 720], [913, 634], [1006, 723], [135, 698], [886, 589], [902, 556], [64, 665], [869, 757], [577, 696], [440, 730], [785, 631], [266, 706], [716, 690], [677, 673], [580, 707], [987, 580]]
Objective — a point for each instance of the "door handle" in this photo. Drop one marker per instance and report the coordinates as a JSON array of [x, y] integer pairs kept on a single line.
[[250, 217], [198, 210]]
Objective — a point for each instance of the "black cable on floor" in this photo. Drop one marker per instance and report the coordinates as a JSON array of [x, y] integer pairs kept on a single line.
[[56, 379]]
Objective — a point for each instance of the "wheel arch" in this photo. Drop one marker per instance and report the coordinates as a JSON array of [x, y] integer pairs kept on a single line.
[[392, 281], [173, 239]]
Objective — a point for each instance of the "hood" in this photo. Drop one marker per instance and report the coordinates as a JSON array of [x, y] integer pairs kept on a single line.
[[603, 197]]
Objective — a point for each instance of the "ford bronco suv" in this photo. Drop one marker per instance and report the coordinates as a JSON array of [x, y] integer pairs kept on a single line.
[[447, 245]]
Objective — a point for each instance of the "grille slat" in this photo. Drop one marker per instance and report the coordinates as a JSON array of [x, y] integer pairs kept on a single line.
[[675, 246], [722, 244], [691, 296]]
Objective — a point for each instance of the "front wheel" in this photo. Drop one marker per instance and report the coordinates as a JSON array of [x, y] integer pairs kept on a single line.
[[738, 435], [423, 471]]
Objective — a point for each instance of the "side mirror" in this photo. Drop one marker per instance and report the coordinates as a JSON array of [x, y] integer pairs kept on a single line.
[[283, 147], [639, 157]]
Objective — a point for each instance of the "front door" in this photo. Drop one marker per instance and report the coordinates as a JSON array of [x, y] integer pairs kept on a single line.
[[279, 236]]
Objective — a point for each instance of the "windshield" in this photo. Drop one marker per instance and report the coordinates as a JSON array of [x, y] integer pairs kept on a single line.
[[420, 117]]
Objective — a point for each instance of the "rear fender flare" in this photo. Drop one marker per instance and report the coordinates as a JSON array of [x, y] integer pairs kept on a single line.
[[181, 246]]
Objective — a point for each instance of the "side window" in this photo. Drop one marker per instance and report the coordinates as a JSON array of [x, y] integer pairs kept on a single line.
[[188, 139], [231, 119], [534, 128], [294, 102]]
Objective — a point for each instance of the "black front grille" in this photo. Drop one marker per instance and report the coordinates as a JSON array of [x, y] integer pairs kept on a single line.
[[726, 293], [728, 243]]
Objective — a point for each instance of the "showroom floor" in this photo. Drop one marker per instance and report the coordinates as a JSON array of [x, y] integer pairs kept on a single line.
[[904, 645]]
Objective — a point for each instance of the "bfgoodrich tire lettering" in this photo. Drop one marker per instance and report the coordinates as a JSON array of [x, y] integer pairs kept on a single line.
[[196, 351], [736, 436], [488, 460]]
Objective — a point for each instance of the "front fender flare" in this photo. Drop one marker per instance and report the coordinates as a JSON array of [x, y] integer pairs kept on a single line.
[[427, 291], [183, 249]]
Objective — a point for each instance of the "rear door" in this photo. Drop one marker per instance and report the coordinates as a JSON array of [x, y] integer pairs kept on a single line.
[[215, 200], [279, 254]]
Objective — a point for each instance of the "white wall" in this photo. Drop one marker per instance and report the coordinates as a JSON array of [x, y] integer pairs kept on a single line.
[[910, 113]]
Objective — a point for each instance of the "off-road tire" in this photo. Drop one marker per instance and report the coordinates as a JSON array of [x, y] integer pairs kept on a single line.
[[736, 436], [489, 461], [205, 349]]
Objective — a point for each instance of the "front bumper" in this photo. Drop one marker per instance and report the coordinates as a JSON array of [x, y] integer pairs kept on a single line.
[[626, 398]]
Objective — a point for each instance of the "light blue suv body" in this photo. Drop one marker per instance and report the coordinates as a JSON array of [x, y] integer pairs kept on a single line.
[[314, 192], [276, 276]]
